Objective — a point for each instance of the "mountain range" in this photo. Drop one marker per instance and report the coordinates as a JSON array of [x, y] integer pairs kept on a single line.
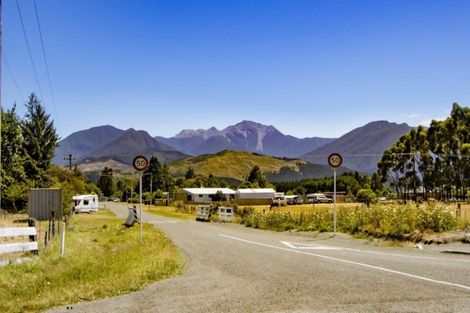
[[361, 148], [105, 143], [244, 136]]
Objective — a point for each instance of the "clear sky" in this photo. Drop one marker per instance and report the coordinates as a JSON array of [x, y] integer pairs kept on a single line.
[[310, 68]]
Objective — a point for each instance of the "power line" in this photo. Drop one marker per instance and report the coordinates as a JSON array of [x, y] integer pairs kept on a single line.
[[45, 61], [390, 154], [29, 49], [15, 82]]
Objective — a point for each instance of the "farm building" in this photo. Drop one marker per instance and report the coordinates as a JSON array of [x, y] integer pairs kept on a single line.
[[254, 196], [206, 194]]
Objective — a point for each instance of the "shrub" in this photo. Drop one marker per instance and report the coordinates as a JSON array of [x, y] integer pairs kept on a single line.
[[366, 196], [394, 221]]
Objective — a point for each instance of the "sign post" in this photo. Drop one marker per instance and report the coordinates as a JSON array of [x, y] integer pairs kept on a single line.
[[140, 163], [334, 160]]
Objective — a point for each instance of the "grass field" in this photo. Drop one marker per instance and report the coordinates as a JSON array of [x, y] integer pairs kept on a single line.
[[102, 258]]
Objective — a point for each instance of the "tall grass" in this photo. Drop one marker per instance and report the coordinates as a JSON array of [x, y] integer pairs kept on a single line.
[[101, 259], [396, 221]]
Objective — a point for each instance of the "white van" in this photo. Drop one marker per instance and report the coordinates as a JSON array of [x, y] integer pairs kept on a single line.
[[318, 198], [85, 203]]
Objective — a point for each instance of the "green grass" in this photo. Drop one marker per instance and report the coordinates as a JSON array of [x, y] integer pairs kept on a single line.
[[102, 259]]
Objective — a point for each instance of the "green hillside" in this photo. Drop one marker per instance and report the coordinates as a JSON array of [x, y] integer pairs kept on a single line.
[[238, 164], [233, 164]]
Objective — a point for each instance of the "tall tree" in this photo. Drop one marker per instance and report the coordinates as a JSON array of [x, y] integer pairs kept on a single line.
[[256, 177], [105, 182], [158, 175], [190, 173], [40, 140], [13, 179], [437, 158]]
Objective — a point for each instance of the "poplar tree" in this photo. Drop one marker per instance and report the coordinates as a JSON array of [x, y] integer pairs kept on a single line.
[[40, 140]]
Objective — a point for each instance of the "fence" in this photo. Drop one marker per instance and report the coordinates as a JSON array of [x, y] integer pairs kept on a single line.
[[15, 240]]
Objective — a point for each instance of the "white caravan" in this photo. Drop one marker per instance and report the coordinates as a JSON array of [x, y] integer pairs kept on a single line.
[[85, 203]]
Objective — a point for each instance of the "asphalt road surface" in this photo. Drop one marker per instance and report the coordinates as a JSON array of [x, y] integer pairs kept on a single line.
[[230, 268]]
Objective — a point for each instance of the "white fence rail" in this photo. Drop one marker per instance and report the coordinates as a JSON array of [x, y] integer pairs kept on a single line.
[[18, 246]]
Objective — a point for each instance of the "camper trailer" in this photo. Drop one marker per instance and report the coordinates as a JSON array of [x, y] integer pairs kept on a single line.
[[85, 203]]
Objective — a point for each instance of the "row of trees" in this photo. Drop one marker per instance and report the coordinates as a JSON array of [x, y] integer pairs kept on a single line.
[[350, 183], [27, 149], [432, 162]]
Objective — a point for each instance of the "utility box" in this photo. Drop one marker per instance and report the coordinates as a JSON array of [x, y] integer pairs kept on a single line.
[[203, 213], [225, 214], [45, 203]]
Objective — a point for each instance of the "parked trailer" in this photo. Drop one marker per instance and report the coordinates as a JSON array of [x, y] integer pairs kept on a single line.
[[85, 203]]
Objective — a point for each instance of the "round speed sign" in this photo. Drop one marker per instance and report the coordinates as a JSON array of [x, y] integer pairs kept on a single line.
[[140, 163], [335, 160]]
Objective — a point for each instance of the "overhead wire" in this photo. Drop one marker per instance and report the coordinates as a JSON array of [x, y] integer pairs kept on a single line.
[[29, 50], [45, 62], [15, 82], [389, 154]]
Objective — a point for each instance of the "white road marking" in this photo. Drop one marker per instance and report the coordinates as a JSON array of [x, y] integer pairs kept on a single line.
[[164, 222], [350, 262], [304, 246], [300, 246]]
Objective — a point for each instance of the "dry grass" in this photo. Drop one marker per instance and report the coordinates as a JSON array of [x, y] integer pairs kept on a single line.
[[303, 208], [102, 259], [465, 211]]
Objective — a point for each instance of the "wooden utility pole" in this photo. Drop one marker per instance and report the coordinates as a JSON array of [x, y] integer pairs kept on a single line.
[[1, 49], [70, 157]]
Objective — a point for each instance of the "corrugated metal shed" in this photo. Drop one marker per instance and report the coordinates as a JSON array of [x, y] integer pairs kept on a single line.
[[43, 201]]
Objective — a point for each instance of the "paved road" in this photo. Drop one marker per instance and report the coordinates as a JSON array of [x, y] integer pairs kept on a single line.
[[231, 268]]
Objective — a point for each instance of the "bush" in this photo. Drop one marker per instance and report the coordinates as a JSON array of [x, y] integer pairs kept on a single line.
[[366, 196], [393, 221]]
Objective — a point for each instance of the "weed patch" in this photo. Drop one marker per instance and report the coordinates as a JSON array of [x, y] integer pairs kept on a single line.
[[101, 259], [390, 221]]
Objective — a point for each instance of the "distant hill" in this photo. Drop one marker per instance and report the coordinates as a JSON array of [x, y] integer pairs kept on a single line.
[[129, 144], [84, 141], [244, 136], [238, 164], [362, 147]]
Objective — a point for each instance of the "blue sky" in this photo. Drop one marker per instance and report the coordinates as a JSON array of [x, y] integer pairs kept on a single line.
[[310, 68]]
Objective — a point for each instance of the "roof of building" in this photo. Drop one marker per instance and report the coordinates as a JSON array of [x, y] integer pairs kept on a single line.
[[256, 190], [291, 196], [209, 191]]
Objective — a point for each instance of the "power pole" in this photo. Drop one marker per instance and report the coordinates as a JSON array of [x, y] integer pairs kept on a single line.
[[1, 49], [70, 157]]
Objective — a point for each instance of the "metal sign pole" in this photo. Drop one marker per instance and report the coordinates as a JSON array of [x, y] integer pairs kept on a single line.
[[140, 198], [140, 163], [334, 160], [334, 202]]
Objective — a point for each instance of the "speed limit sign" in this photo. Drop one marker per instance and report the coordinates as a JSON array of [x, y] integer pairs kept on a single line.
[[335, 160], [140, 163]]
